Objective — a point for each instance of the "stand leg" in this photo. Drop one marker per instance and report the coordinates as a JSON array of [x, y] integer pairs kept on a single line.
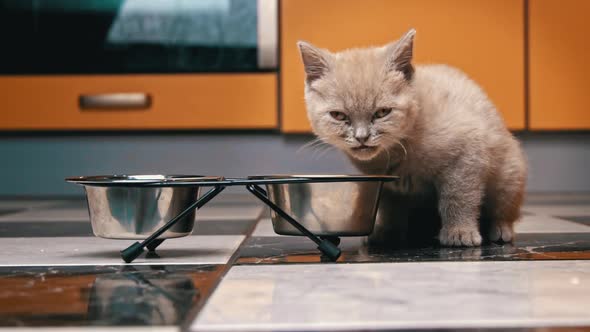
[[133, 251], [334, 239], [156, 243], [324, 245]]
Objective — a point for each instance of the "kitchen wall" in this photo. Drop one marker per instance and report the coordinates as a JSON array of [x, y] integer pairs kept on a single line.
[[36, 165]]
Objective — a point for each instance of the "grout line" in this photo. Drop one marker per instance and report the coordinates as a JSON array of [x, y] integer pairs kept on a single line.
[[193, 314]]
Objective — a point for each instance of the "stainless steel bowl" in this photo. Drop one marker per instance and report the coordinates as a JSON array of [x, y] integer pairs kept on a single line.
[[343, 208], [135, 206]]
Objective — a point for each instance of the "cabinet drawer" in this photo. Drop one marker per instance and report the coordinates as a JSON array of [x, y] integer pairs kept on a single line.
[[191, 101]]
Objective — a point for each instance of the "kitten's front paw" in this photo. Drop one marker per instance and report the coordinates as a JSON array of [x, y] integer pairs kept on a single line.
[[459, 236], [501, 233]]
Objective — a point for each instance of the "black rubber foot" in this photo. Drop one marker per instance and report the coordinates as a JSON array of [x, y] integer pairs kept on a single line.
[[155, 243], [132, 252], [329, 249]]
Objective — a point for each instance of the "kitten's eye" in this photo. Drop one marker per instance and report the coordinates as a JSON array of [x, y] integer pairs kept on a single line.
[[381, 113], [339, 116]]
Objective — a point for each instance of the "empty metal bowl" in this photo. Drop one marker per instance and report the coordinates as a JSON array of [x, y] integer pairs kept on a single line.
[[347, 207], [135, 206]]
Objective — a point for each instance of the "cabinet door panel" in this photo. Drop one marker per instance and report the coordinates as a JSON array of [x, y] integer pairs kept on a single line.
[[484, 38], [559, 68]]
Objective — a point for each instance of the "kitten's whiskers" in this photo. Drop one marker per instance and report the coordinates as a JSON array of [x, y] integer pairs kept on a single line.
[[388, 161], [313, 144], [318, 146], [324, 149], [390, 141], [404, 148]]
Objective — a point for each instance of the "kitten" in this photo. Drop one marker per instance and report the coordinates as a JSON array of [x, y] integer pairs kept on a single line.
[[432, 126]]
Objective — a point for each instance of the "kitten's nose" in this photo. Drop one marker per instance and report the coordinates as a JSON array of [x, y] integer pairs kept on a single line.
[[362, 137]]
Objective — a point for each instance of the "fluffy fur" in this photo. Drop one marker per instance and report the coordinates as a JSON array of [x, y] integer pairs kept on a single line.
[[432, 126]]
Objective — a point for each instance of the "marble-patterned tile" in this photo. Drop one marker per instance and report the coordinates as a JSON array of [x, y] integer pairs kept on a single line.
[[224, 227], [83, 228], [68, 213], [557, 199], [399, 296], [540, 223], [264, 228], [294, 249], [223, 199], [579, 219], [5, 211], [529, 246], [98, 329], [49, 214], [45, 229], [27, 204], [559, 210], [80, 251], [230, 212], [235, 198], [530, 223], [114, 296], [538, 237]]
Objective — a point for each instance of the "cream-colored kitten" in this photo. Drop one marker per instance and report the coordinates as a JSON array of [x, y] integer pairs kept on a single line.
[[431, 125]]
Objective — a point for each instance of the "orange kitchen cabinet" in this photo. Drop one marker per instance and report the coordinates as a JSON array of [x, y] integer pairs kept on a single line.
[[484, 38], [183, 101], [559, 72]]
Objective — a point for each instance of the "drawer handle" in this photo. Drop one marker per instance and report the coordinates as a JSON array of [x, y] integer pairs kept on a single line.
[[114, 101]]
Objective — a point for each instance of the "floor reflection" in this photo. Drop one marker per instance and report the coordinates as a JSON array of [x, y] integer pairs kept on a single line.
[[103, 295]]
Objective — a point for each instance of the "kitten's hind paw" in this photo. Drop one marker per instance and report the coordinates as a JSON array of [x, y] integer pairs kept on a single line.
[[459, 236], [500, 233]]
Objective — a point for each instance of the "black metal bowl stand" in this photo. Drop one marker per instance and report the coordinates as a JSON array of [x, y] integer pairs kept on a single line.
[[328, 245]]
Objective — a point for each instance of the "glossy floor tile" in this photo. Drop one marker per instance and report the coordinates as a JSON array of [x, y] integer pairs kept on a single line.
[[540, 223], [102, 329], [529, 223], [80, 251], [56, 273], [83, 228], [264, 228], [557, 199], [559, 210], [579, 219], [74, 213], [27, 204], [49, 214], [399, 296], [103, 295], [531, 246]]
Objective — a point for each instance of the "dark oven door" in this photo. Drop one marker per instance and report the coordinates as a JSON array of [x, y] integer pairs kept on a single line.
[[137, 36]]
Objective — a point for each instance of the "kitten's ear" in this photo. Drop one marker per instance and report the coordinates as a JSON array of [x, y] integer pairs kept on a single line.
[[315, 61], [399, 54]]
